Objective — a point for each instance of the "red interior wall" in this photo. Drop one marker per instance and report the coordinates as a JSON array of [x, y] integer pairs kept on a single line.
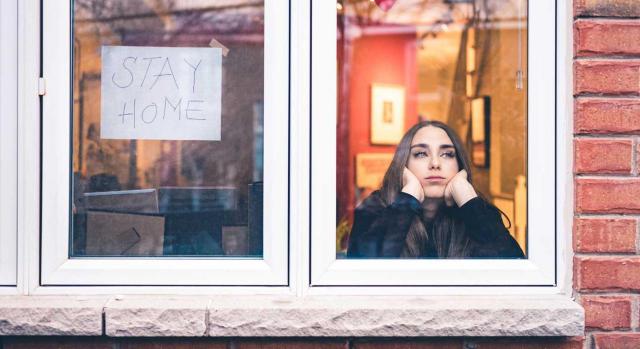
[[388, 59]]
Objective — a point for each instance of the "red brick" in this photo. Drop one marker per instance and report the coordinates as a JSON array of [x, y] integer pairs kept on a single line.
[[607, 195], [604, 235], [431, 343], [607, 312], [611, 115], [607, 77], [58, 343], [617, 340], [530, 343], [607, 8], [291, 344], [604, 37], [603, 155], [606, 273], [171, 343]]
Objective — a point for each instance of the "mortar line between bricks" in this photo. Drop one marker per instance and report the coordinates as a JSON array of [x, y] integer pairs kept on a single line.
[[606, 19], [637, 236], [630, 95], [607, 58], [575, 18], [612, 294], [626, 98], [634, 170], [605, 292], [606, 175], [605, 254], [634, 313], [613, 137], [589, 343], [606, 215]]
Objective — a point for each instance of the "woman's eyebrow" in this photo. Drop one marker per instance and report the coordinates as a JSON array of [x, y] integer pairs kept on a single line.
[[421, 145], [446, 146]]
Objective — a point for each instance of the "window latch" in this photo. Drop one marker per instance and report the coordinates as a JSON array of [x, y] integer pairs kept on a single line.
[[42, 87]]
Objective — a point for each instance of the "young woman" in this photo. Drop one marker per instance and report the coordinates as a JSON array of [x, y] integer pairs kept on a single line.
[[427, 206]]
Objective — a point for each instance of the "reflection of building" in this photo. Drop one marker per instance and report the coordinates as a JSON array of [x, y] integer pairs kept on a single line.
[[443, 56], [101, 164], [238, 25]]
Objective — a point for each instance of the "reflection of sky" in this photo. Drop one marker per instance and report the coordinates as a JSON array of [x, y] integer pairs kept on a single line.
[[428, 12]]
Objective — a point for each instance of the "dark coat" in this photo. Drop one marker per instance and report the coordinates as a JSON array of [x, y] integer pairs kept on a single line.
[[380, 231]]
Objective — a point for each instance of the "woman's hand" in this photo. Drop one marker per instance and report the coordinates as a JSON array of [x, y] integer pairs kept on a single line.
[[459, 190], [411, 185]]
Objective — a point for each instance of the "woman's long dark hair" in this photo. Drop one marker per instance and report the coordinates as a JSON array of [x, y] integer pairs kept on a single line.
[[447, 232]]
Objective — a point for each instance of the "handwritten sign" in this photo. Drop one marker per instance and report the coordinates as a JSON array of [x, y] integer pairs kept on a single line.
[[169, 93]]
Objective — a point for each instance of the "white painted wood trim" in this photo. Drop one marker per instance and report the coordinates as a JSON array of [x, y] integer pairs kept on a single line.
[[28, 145], [540, 268], [58, 269], [564, 145], [8, 142]]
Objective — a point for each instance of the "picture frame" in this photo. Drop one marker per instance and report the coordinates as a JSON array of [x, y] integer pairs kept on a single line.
[[480, 131], [387, 113]]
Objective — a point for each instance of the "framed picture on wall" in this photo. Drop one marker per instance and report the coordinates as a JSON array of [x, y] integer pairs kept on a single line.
[[480, 131], [387, 113]]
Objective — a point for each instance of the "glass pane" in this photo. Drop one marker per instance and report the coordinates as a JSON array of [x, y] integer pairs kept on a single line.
[[427, 88], [167, 125]]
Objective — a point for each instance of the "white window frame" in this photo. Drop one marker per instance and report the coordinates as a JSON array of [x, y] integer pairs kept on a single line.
[[549, 181], [8, 142], [57, 270]]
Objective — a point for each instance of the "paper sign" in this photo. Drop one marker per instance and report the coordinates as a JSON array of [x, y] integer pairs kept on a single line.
[[169, 93]]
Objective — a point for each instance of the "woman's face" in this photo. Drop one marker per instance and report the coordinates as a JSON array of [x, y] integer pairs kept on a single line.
[[433, 160]]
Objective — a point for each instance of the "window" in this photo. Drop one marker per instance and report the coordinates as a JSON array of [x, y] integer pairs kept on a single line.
[[136, 193], [8, 143], [158, 134], [472, 65]]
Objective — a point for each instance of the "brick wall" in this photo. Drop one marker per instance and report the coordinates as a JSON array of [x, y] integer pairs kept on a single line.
[[607, 183]]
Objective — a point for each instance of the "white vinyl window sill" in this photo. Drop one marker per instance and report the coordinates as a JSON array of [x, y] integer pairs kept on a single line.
[[277, 316]]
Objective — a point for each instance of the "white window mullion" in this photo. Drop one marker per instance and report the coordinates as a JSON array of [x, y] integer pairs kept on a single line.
[[8, 142]]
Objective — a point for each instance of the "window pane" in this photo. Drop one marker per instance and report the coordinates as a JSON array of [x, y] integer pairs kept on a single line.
[[461, 67], [167, 124]]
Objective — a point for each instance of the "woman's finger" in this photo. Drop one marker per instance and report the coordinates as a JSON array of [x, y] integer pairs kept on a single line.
[[448, 194]]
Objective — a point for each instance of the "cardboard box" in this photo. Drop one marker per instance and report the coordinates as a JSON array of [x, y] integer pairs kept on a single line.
[[124, 234]]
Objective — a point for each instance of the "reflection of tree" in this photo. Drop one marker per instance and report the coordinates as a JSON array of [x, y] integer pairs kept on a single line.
[[432, 12], [163, 21], [238, 24], [423, 12]]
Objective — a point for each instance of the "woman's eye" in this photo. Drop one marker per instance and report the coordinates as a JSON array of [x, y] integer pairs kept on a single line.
[[449, 154], [420, 154]]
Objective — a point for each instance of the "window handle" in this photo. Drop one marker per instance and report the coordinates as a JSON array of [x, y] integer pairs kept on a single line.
[[42, 87]]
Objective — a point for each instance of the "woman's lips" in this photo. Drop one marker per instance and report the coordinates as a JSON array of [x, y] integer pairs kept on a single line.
[[432, 179]]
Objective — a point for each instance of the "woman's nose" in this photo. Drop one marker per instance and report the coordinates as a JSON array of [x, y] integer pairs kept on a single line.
[[434, 163]]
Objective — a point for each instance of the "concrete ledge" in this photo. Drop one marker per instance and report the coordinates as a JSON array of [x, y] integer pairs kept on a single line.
[[153, 316], [273, 316], [51, 316], [395, 317]]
